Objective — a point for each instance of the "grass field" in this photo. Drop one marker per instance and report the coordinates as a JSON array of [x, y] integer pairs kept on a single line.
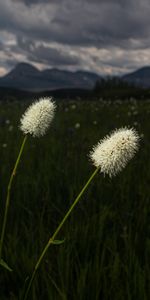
[[106, 253]]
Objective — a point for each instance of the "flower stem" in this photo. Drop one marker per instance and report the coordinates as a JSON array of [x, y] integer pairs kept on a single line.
[[8, 195], [50, 241]]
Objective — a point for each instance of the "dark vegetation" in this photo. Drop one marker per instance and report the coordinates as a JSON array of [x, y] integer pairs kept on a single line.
[[116, 88], [106, 253], [109, 88]]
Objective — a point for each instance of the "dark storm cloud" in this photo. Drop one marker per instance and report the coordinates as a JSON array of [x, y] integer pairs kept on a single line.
[[37, 25], [39, 52], [53, 56], [2, 47], [74, 22], [36, 2]]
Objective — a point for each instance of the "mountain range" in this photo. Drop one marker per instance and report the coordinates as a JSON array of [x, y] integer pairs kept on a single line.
[[28, 78], [140, 77]]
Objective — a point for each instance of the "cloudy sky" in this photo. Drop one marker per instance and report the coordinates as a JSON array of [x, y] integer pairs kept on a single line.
[[103, 36]]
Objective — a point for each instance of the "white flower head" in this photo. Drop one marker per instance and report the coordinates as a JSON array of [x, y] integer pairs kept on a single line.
[[113, 152], [37, 117]]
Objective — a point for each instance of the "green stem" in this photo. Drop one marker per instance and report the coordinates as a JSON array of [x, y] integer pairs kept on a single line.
[[8, 195], [50, 241]]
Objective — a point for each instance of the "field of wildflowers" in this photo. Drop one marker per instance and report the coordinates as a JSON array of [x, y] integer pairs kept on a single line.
[[106, 248]]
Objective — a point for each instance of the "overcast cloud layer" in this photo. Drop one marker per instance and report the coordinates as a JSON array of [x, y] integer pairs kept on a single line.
[[104, 36]]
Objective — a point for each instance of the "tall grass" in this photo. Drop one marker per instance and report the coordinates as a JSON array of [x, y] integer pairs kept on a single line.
[[106, 254]]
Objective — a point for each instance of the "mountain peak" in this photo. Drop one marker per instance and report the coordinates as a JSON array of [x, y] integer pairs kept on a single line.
[[140, 77], [26, 77], [25, 66]]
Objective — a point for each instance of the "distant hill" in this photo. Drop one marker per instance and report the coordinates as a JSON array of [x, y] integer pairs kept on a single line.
[[28, 78], [140, 77], [25, 77]]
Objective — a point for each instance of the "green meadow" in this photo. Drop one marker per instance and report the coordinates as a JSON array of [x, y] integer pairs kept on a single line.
[[106, 252]]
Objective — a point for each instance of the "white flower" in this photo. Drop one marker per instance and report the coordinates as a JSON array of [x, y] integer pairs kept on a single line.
[[77, 125], [114, 151], [4, 145], [38, 117]]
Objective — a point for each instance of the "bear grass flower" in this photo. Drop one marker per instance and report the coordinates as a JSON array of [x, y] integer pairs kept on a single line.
[[113, 152], [37, 117], [35, 121], [110, 156]]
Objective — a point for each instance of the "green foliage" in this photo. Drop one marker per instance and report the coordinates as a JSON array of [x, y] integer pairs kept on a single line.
[[4, 265], [115, 87], [106, 253]]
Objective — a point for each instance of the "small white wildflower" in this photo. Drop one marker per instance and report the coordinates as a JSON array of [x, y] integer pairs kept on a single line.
[[114, 151], [73, 106], [7, 122], [4, 145], [95, 122], [38, 117], [10, 128], [77, 125]]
